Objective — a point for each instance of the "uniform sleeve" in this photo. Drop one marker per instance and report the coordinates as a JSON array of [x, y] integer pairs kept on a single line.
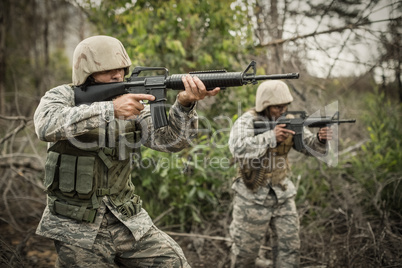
[[312, 144], [244, 144], [181, 129], [57, 117]]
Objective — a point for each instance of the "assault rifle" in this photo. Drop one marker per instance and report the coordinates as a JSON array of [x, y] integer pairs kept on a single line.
[[297, 124], [157, 85]]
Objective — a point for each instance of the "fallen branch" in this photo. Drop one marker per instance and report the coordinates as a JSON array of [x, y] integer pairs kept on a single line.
[[23, 118], [354, 147], [157, 219], [21, 160], [227, 239], [15, 131]]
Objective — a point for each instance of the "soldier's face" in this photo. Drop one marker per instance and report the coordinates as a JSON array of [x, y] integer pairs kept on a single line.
[[276, 111], [110, 76]]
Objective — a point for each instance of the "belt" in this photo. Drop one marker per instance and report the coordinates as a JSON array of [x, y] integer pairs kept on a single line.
[[79, 213]]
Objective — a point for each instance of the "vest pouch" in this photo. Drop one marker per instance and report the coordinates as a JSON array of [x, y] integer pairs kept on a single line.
[[51, 171], [67, 174], [284, 147], [85, 176]]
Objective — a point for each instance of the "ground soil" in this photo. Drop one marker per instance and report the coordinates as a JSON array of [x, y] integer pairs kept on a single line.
[[25, 249], [20, 247]]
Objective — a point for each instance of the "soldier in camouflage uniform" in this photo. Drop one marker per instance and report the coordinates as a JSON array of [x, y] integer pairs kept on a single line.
[[264, 194], [92, 212]]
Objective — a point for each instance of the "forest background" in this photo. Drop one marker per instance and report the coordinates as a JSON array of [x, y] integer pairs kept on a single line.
[[348, 53]]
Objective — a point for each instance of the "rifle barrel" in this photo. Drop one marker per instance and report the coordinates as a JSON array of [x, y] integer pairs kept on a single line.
[[277, 76], [211, 80], [347, 121]]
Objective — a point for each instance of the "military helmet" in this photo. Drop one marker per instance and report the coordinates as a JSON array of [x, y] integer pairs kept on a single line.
[[97, 54], [273, 92]]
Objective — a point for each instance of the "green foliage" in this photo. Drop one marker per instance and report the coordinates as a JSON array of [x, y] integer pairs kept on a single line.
[[314, 189], [181, 35], [371, 178], [200, 35], [60, 66], [191, 182], [378, 166]]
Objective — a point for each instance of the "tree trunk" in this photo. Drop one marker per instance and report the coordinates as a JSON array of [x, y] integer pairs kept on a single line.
[[4, 7]]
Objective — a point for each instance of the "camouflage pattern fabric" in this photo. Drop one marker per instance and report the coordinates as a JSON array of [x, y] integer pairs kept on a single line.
[[115, 246], [244, 144], [268, 206], [56, 118], [251, 222]]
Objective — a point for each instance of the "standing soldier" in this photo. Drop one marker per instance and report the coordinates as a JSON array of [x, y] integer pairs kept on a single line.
[[264, 194], [92, 212]]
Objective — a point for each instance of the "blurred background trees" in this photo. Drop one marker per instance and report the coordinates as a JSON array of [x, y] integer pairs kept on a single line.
[[345, 51]]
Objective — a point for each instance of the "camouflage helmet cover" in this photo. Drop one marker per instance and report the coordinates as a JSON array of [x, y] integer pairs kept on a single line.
[[273, 92], [97, 54]]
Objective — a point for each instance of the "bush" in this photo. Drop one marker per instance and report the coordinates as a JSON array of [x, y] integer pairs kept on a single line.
[[350, 214], [188, 185], [377, 167]]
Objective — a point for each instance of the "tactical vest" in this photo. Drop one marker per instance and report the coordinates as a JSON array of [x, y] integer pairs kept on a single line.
[[272, 168], [77, 179]]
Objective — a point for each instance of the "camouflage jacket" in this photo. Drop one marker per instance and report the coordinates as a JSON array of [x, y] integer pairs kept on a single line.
[[244, 144], [57, 118]]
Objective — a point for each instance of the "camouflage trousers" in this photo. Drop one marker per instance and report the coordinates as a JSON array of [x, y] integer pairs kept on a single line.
[[252, 221], [115, 246]]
